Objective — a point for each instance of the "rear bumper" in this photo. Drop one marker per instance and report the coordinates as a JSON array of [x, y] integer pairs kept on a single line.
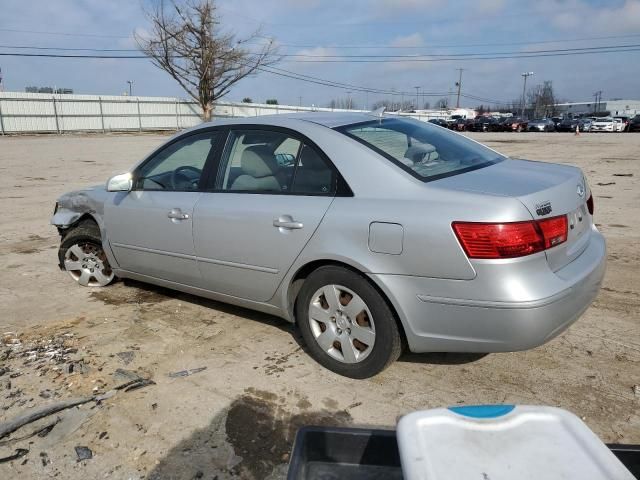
[[521, 310]]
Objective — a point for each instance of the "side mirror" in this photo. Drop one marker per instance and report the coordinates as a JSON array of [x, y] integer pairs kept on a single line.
[[120, 183]]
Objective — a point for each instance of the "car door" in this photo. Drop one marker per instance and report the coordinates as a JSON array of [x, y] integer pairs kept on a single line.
[[272, 191], [150, 228]]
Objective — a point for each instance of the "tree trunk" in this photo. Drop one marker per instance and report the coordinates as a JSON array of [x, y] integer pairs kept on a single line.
[[206, 112]]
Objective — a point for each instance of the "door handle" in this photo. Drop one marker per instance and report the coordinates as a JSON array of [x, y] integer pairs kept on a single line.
[[287, 222], [176, 214]]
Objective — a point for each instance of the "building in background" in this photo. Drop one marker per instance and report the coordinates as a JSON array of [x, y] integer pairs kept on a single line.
[[614, 107], [58, 91]]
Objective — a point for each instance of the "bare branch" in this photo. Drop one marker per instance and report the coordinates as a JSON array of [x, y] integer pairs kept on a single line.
[[187, 42]]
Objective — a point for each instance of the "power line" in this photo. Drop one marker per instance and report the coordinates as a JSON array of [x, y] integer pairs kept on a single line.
[[457, 45], [337, 46], [375, 56], [390, 59], [65, 34]]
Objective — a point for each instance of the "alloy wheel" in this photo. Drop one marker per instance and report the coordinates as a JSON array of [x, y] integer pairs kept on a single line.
[[87, 264], [341, 323]]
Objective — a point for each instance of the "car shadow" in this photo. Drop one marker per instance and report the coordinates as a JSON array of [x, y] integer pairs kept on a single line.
[[443, 358], [152, 293]]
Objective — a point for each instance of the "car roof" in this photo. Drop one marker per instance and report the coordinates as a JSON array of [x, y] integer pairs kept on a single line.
[[327, 119]]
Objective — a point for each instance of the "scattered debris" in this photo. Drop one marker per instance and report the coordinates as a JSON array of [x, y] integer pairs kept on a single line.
[[144, 382], [105, 396], [12, 425], [40, 431], [186, 373], [77, 367], [20, 452], [128, 375], [604, 184], [623, 174], [83, 453], [102, 435], [636, 390], [126, 357], [45, 459], [154, 406]]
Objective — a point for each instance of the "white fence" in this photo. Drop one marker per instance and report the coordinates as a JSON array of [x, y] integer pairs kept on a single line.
[[42, 113]]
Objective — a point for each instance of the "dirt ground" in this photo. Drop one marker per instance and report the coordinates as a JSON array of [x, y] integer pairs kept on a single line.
[[237, 418]]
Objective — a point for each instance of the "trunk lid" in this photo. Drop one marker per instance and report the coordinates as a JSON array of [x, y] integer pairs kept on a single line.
[[545, 189]]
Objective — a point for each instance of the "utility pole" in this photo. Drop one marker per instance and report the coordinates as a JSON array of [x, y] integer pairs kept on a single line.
[[459, 85], [130, 82], [598, 96], [348, 99], [417, 97], [1, 85], [524, 88]]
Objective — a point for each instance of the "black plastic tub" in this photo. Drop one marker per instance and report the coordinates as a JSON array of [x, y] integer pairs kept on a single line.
[[326, 453]]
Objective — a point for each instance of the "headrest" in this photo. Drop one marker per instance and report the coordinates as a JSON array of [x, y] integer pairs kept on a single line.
[[258, 162], [416, 153], [310, 159]]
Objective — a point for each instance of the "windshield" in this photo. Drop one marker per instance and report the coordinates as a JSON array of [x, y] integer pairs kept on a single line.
[[425, 151]]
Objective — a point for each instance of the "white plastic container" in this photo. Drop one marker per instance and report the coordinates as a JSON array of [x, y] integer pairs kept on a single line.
[[503, 442]]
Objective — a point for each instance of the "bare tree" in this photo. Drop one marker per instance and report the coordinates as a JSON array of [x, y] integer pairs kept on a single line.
[[542, 100], [342, 103], [443, 103], [187, 42]]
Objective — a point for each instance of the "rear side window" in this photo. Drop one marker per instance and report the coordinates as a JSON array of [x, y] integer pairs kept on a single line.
[[313, 176], [269, 162], [425, 151]]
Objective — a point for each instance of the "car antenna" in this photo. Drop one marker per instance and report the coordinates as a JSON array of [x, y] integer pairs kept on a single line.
[[378, 112]]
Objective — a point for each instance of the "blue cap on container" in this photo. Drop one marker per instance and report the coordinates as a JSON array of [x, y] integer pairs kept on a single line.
[[483, 411]]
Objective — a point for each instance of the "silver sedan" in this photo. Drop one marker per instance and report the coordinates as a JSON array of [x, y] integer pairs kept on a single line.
[[372, 234]]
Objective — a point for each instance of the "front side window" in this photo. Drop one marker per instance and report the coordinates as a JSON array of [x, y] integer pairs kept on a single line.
[[179, 166], [425, 151]]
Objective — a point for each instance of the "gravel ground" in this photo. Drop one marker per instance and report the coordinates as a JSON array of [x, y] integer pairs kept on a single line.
[[238, 416]]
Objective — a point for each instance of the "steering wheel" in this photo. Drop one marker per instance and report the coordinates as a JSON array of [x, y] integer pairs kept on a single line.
[[177, 182]]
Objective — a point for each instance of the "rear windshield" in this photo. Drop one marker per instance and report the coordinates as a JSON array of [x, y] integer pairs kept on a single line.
[[426, 151]]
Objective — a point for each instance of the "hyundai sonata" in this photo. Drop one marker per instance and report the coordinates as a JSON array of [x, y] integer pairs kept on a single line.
[[372, 234]]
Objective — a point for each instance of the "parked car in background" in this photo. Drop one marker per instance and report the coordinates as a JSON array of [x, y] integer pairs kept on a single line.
[[634, 124], [338, 242], [556, 121], [502, 125], [585, 124], [459, 125], [515, 124], [607, 124], [542, 125], [484, 124], [568, 125], [625, 122], [440, 122]]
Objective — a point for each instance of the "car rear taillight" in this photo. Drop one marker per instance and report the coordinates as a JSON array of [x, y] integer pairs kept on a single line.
[[512, 239], [590, 205]]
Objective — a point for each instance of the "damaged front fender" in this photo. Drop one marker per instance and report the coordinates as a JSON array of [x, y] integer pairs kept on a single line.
[[72, 206]]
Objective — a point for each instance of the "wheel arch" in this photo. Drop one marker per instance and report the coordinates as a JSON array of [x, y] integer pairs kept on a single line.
[[297, 280]]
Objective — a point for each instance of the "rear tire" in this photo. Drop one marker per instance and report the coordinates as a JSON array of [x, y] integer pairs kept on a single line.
[[351, 330], [82, 256]]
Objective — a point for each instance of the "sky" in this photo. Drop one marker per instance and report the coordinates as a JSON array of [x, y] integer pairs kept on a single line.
[[316, 29]]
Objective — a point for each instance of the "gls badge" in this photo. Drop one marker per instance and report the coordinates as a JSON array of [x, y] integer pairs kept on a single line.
[[543, 208]]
